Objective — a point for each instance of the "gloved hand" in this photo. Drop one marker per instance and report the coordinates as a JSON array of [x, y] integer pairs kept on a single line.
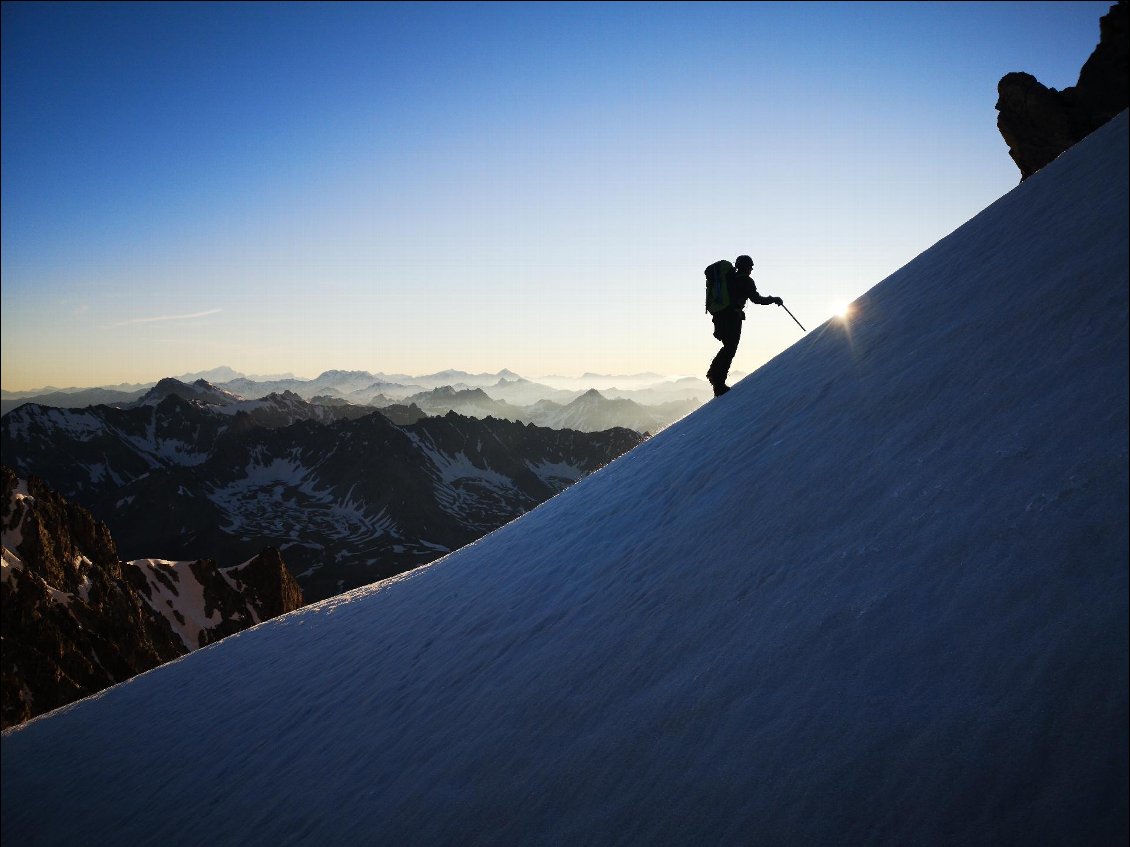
[[778, 301]]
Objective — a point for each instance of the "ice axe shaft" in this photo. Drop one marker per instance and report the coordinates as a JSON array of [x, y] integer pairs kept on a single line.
[[791, 315]]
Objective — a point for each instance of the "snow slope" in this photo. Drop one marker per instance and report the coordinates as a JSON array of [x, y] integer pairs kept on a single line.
[[875, 594]]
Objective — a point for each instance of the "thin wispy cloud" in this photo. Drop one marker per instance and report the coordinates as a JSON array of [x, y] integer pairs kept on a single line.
[[187, 317]]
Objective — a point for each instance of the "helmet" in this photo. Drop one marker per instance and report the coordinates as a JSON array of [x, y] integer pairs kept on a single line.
[[743, 262]]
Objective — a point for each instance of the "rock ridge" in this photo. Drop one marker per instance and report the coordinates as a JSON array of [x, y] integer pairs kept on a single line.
[[1038, 123]]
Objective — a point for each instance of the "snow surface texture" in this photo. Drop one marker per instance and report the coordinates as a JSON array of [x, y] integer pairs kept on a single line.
[[875, 594]]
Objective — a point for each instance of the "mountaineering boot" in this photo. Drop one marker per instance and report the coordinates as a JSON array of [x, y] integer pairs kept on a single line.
[[718, 385]]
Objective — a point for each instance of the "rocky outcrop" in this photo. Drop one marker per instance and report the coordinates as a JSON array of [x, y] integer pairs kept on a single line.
[[265, 585], [73, 622], [1038, 123], [204, 603], [77, 620]]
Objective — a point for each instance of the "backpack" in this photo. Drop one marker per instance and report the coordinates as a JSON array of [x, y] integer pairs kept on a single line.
[[717, 291]]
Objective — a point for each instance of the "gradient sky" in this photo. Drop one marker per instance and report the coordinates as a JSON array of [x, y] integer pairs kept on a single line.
[[413, 187]]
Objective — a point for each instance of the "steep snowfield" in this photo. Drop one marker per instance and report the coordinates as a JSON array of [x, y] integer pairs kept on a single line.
[[875, 594]]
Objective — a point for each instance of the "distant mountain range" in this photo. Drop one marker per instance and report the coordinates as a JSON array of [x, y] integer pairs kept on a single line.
[[190, 472], [77, 619], [652, 402], [76, 399], [590, 412]]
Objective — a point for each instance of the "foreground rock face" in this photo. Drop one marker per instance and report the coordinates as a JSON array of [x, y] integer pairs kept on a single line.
[[77, 620], [1039, 123]]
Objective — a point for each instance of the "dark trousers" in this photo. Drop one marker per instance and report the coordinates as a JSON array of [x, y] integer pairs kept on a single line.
[[728, 330]]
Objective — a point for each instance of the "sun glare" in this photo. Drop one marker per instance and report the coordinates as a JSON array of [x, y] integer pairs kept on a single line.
[[841, 311]]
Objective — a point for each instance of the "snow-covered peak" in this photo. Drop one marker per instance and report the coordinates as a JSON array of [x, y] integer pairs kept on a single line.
[[875, 594]]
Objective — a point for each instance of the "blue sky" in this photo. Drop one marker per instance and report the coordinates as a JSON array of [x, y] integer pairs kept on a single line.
[[412, 187]]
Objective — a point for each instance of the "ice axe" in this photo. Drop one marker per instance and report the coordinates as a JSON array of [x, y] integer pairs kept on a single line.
[[791, 315]]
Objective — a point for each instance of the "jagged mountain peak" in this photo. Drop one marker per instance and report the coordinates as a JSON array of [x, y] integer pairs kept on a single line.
[[201, 390], [286, 397], [472, 394], [167, 385]]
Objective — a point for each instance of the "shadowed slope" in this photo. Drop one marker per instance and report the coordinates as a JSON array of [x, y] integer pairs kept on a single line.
[[875, 594]]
